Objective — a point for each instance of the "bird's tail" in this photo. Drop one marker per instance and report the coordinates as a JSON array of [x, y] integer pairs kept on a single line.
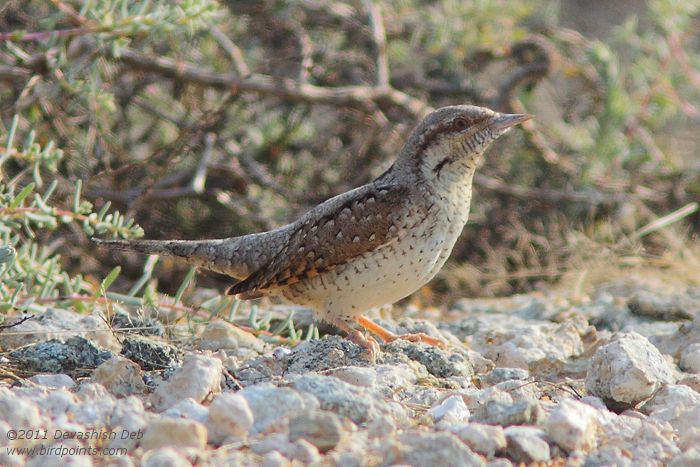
[[231, 256]]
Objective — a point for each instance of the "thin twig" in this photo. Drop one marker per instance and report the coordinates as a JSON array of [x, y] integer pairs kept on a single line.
[[232, 50], [16, 323], [379, 36], [265, 84]]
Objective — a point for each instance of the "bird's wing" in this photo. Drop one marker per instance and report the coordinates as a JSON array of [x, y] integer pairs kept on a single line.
[[334, 233]]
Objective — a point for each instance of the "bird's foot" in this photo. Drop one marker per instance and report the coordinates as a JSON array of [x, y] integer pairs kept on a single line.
[[388, 336], [356, 337]]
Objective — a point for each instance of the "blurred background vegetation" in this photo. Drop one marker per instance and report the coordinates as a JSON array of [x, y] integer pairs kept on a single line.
[[203, 119]]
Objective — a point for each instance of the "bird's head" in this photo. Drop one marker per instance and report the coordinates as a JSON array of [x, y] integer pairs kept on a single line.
[[449, 142]]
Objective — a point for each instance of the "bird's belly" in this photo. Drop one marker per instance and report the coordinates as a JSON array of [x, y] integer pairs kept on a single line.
[[378, 278]]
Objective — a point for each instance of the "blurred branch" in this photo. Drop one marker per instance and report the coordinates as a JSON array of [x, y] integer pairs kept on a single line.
[[265, 84], [232, 50], [379, 36], [592, 198]]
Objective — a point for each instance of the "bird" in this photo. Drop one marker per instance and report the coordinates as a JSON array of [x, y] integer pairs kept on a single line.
[[369, 246]]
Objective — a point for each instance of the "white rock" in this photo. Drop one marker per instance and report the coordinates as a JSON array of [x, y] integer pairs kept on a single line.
[[572, 425], [414, 447], [19, 412], [164, 457], [222, 335], [95, 407], [355, 375], [300, 449], [58, 404], [229, 416], [670, 402], [627, 370], [53, 381], [190, 409], [120, 376], [275, 459], [526, 444], [450, 411], [530, 342], [475, 398], [54, 458], [129, 420], [690, 358], [483, 439], [271, 405], [198, 378], [165, 431]]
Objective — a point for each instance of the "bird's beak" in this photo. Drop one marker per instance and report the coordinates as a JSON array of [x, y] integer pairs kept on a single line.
[[502, 122]]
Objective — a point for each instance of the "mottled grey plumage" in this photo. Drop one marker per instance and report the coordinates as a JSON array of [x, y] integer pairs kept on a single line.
[[367, 247]]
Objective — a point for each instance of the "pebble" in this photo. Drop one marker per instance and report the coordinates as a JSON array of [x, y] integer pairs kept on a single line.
[[526, 444], [53, 381], [164, 457], [690, 358], [322, 429], [189, 409], [627, 371], [219, 335], [229, 416], [450, 411], [572, 425], [413, 447], [199, 377], [486, 440], [524, 412], [270, 405], [74, 356], [439, 363], [120, 376], [178, 432], [151, 354]]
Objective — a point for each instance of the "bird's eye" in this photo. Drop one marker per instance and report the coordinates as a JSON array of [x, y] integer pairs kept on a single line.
[[460, 124]]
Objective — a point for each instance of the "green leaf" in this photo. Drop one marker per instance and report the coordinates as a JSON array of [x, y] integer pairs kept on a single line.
[[22, 195], [111, 277]]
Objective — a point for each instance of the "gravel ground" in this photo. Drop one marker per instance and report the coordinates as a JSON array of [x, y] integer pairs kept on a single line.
[[611, 379]]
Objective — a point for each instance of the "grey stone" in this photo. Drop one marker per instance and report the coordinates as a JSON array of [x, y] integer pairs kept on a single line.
[[425, 448], [74, 356], [134, 324], [120, 376], [271, 405], [627, 371], [198, 378], [664, 307], [322, 429], [358, 404], [439, 363], [499, 375], [524, 412], [150, 354], [324, 354], [53, 381], [483, 439], [526, 444]]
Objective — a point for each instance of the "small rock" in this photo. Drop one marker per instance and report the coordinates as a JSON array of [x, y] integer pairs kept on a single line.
[[322, 429], [198, 378], [663, 307], [524, 412], [53, 381], [222, 335], [134, 324], [189, 409], [74, 356], [229, 416], [670, 401], [270, 404], [526, 444], [323, 354], [690, 358], [275, 459], [690, 458], [150, 354], [499, 375], [692, 381], [165, 431], [425, 448], [96, 405], [439, 363], [486, 440], [120, 376], [164, 457], [450, 411], [19, 412], [358, 404], [355, 375], [572, 425], [627, 370]]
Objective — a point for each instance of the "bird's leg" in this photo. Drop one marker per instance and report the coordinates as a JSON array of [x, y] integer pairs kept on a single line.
[[366, 342], [388, 336]]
